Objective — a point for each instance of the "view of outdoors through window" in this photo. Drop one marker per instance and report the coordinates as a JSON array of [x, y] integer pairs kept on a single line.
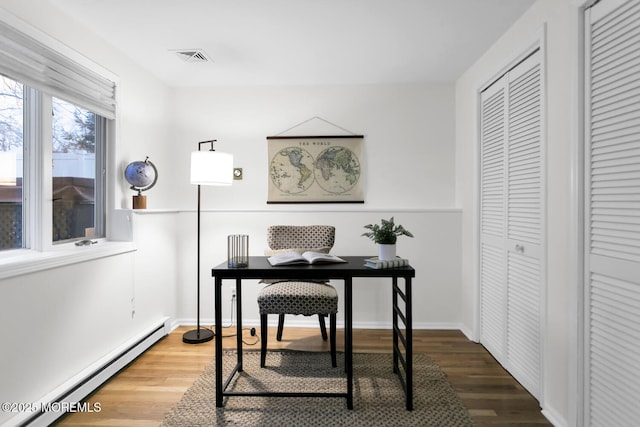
[[11, 154], [74, 171], [74, 168]]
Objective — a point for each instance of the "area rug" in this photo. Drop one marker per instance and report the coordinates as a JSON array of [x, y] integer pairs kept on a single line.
[[378, 398]]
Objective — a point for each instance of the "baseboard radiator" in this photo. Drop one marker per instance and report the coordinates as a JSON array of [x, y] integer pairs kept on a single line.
[[92, 381]]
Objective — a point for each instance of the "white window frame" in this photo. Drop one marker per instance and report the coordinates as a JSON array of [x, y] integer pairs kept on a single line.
[[38, 170]]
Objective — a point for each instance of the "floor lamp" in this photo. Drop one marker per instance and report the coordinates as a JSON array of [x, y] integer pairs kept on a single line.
[[208, 167]]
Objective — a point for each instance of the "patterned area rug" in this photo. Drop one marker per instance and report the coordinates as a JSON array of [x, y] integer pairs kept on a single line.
[[378, 396]]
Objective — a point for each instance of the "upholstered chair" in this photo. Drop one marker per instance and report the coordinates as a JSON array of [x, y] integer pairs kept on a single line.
[[298, 297]]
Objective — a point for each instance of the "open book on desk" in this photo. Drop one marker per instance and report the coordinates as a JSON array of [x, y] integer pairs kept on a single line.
[[308, 257]]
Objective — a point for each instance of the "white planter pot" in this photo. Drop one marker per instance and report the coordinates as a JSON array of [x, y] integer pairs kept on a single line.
[[386, 252]]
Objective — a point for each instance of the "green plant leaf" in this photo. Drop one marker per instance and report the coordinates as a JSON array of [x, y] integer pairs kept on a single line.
[[386, 232]]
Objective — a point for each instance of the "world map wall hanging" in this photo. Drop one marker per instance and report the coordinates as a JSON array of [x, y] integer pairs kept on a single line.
[[315, 169]]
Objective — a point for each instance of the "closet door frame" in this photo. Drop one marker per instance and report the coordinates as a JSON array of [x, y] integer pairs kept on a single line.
[[576, 231], [537, 43]]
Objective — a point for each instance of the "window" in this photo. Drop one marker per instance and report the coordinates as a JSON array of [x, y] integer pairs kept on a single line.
[[76, 148], [54, 114], [77, 144]]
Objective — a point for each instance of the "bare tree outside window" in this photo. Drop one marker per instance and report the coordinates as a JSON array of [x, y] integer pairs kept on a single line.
[[11, 115], [11, 155]]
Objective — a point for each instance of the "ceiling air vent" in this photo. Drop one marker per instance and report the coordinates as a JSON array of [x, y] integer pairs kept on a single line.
[[192, 55]]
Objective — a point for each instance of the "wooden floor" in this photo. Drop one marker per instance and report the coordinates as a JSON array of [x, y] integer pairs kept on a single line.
[[142, 393]]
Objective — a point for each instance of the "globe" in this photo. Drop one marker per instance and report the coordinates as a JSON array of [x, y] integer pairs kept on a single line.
[[142, 175]]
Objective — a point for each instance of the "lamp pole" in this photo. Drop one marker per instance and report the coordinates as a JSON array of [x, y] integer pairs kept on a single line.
[[199, 335]]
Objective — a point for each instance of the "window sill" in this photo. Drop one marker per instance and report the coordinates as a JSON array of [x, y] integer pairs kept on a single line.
[[27, 261]]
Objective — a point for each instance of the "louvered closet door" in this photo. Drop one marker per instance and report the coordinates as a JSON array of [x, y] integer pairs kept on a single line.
[[492, 219], [524, 223], [612, 235], [511, 221]]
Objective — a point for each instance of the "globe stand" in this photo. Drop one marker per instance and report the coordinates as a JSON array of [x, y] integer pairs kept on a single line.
[[139, 202]]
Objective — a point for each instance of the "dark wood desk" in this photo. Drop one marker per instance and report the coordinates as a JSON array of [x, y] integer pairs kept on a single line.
[[259, 268]]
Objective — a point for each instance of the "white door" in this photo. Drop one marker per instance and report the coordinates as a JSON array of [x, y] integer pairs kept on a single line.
[[612, 214], [511, 221]]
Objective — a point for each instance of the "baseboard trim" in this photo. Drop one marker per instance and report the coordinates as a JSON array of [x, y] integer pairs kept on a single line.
[[469, 334], [554, 417], [87, 382]]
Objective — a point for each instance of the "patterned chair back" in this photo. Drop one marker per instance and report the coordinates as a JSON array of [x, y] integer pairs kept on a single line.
[[301, 236]]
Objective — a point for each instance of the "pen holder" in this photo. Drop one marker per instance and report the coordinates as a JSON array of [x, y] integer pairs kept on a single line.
[[237, 250]]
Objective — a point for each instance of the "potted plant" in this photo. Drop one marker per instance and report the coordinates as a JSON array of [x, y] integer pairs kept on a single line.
[[385, 235]]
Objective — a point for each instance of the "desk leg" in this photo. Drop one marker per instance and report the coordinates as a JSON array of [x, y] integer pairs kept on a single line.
[[239, 322], [218, 339], [348, 338], [409, 316], [394, 303]]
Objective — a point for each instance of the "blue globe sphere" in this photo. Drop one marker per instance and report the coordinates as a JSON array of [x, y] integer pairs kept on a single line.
[[142, 175]]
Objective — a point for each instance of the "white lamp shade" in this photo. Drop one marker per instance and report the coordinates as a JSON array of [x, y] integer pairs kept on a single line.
[[211, 168]]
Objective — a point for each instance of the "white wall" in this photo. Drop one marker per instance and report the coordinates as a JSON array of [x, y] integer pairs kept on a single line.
[[56, 323], [556, 16], [408, 167], [409, 155]]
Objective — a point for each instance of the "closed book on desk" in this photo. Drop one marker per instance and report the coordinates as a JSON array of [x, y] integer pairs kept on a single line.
[[377, 263]]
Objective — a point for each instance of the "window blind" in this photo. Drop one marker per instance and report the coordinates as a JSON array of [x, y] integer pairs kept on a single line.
[[29, 61]]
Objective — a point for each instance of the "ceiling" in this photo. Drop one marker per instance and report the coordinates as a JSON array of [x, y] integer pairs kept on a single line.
[[300, 42]]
